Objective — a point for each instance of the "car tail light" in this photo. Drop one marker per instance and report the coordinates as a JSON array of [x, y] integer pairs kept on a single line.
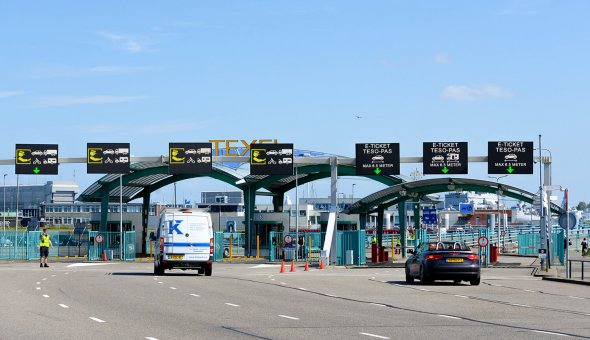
[[161, 245], [472, 257], [433, 257], [210, 247]]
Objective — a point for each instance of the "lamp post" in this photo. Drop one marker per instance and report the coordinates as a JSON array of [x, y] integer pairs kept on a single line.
[[497, 178], [4, 213], [352, 195]]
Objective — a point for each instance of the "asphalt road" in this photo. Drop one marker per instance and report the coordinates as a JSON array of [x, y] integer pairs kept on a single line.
[[249, 301]]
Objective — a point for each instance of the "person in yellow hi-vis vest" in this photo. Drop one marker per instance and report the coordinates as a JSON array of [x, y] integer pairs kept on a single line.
[[44, 244]]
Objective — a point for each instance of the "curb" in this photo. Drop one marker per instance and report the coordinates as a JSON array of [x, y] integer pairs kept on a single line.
[[563, 280]]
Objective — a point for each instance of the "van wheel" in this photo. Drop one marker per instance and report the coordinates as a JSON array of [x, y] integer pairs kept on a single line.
[[209, 270]]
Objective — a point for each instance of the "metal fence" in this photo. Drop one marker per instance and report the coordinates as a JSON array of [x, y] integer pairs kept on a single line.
[[229, 245], [24, 245], [109, 244]]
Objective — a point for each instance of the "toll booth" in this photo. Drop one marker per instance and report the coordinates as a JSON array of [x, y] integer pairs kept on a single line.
[[263, 230]]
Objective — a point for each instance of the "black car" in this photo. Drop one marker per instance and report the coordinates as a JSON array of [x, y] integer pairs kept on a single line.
[[443, 261]]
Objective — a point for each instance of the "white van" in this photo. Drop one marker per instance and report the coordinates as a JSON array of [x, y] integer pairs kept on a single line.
[[184, 240]]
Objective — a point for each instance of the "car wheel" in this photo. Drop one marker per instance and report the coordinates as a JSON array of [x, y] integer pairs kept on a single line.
[[424, 279], [409, 278], [209, 270], [475, 282]]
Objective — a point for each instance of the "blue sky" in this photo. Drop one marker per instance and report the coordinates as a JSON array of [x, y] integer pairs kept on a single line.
[[155, 72]]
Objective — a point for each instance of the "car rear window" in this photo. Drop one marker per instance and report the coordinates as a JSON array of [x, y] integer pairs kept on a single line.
[[431, 246]]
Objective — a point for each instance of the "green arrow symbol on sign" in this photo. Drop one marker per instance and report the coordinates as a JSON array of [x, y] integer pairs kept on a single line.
[[445, 169], [377, 171], [510, 169], [36, 170]]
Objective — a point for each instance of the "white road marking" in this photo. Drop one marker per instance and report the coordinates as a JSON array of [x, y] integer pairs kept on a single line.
[[44, 279], [576, 297], [67, 273], [288, 317], [383, 281], [38, 288], [302, 288], [424, 290], [449, 317], [38, 283], [231, 304], [52, 275], [96, 319], [494, 285], [265, 266], [373, 278], [160, 282], [45, 295], [550, 333], [378, 304], [530, 291], [195, 295], [330, 295], [88, 264], [150, 338], [462, 296], [519, 305], [63, 306], [173, 288], [375, 336], [272, 279], [283, 283]]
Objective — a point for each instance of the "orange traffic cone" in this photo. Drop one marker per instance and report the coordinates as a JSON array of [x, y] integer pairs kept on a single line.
[[282, 267], [306, 266], [321, 264], [105, 258], [292, 266]]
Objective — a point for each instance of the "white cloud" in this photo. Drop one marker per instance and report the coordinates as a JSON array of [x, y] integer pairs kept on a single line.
[[126, 42], [467, 93], [6, 94], [441, 58], [52, 101]]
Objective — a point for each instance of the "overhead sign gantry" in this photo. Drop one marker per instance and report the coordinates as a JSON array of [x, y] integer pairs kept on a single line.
[[377, 159], [108, 158], [190, 158], [36, 159], [445, 158], [515, 158]]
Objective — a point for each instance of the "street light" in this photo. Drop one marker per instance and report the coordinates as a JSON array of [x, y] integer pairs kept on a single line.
[[497, 178], [352, 195], [4, 212]]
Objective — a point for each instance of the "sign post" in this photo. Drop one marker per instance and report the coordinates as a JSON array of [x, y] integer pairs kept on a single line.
[[377, 159], [445, 158]]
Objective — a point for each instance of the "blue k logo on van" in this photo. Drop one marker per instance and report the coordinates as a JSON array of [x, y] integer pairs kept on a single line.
[[173, 226]]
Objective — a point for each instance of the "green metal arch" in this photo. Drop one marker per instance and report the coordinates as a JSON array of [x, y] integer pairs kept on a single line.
[[396, 198], [321, 171]]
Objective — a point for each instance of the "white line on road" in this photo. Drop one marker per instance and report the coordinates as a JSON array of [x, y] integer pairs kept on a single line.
[[44, 279], [301, 288], [374, 336], [424, 290], [288, 317], [530, 291], [378, 304], [52, 275], [231, 304], [519, 305], [173, 288], [38, 283], [38, 288], [330, 295], [462, 296], [550, 333], [576, 297], [283, 283], [160, 282], [63, 306], [96, 319], [449, 317], [272, 279], [150, 338], [45, 295], [195, 295]]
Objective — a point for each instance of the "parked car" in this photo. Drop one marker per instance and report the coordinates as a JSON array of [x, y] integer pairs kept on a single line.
[[443, 261]]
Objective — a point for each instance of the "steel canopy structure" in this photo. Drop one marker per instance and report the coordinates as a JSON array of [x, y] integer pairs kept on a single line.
[[418, 189]]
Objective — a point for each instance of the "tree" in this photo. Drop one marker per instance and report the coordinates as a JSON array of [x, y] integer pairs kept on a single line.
[[582, 206]]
